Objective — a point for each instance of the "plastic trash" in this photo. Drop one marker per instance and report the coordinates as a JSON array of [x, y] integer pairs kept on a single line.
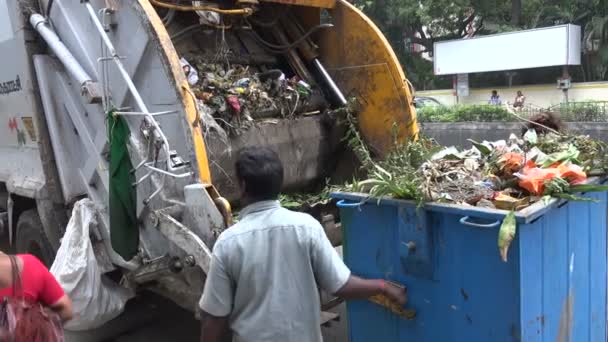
[[207, 17], [191, 73], [242, 83], [96, 300], [533, 178], [235, 105]]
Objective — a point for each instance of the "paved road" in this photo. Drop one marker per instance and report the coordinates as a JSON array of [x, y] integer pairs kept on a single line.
[[150, 318], [147, 318]]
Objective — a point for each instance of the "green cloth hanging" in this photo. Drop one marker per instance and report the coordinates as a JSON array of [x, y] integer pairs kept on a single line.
[[123, 196]]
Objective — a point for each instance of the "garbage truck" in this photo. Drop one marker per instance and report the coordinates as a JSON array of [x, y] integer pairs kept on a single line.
[[141, 106]]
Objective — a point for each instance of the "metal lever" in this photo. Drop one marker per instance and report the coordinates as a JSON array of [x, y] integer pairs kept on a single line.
[[330, 82]]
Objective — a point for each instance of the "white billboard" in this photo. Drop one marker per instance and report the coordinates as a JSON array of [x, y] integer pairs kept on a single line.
[[557, 45]]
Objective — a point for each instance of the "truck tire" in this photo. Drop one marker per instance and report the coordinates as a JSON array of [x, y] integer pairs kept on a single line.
[[31, 239]]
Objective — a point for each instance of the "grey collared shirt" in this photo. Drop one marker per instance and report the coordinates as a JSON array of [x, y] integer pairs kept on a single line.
[[265, 271]]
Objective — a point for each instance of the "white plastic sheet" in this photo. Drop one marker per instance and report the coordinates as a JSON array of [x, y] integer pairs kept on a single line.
[[207, 17], [96, 300], [192, 74]]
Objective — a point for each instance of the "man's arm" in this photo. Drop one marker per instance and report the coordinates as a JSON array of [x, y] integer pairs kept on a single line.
[[216, 302], [214, 329], [52, 294], [334, 277], [358, 288], [63, 307]]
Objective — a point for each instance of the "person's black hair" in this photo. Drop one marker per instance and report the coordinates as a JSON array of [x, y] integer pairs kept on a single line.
[[260, 170], [494, 92]]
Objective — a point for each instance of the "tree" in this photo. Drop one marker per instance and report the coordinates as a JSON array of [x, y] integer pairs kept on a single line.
[[425, 22], [515, 12]]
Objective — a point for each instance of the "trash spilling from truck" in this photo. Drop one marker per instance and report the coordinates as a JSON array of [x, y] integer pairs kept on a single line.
[[509, 175], [236, 95]]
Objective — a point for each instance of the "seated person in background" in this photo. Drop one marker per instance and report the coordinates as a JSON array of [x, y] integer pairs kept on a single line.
[[519, 101]]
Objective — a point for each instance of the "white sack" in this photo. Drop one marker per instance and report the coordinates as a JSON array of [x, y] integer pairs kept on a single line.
[[96, 300]]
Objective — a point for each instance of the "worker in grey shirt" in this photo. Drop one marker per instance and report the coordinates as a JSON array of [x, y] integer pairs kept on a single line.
[[265, 270]]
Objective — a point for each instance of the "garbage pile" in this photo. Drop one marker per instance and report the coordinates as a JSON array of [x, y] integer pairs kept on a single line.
[[515, 173], [507, 174], [236, 95]]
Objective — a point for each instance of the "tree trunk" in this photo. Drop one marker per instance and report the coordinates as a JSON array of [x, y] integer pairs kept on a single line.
[[515, 12]]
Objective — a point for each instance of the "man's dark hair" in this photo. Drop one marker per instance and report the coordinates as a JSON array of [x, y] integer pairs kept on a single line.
[[261, 171], [494, 92]]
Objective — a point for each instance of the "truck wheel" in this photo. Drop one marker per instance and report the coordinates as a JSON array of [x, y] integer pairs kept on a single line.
[[31, 238]]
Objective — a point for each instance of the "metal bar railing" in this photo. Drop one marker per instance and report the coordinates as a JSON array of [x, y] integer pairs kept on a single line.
[[149, 119]]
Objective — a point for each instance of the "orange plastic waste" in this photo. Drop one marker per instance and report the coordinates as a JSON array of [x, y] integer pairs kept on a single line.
[[533, 178], [573, 173], [512, 162]]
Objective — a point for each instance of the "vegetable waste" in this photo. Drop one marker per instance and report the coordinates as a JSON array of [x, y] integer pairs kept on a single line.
[[509, 174], [236, 95]]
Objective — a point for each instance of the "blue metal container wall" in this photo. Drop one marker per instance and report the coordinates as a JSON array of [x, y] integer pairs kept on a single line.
[[553, 288], [563, 274]]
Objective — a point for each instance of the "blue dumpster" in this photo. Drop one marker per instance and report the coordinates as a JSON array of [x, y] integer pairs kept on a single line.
[[553, 287]]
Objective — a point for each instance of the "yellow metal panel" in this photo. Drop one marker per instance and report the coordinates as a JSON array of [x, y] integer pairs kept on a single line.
[[308, 3], [364, 65], [189, 103]]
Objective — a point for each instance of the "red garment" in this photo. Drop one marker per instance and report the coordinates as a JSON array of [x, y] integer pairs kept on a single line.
[[39, 285]]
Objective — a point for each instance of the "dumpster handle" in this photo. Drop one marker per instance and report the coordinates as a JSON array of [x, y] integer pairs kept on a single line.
[[344, 204], [465, 221]]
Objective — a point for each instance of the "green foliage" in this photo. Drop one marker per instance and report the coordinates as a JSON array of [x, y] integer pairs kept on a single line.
[[592, 111], [465, 113], [397, 174], [299, 201], [424, 22]]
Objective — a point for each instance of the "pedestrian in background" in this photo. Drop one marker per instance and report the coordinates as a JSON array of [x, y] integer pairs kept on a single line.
[[520, 99], [33, 303], [495, 99], [266, 269]]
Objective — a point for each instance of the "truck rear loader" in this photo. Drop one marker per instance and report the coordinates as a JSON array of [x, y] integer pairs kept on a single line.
[[95, 103]]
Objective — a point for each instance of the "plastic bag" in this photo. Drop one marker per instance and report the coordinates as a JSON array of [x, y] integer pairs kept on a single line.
[[192, 74], [533, 178], [24, 321], [511, 162], [207, 17], [96, 300], [573, 173]]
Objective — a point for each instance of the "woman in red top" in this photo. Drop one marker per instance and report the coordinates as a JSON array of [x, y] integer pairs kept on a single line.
[[38, 284]]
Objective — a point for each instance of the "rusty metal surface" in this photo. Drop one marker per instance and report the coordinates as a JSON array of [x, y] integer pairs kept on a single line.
[[364, 66], [307, 3], [305, 145]]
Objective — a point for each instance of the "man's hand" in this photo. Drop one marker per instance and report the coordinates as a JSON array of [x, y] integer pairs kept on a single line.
[[358, 288], [396, 293]]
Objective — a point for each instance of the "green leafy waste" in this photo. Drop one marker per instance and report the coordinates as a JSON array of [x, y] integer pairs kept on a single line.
[[397, 175], [506, 235]]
